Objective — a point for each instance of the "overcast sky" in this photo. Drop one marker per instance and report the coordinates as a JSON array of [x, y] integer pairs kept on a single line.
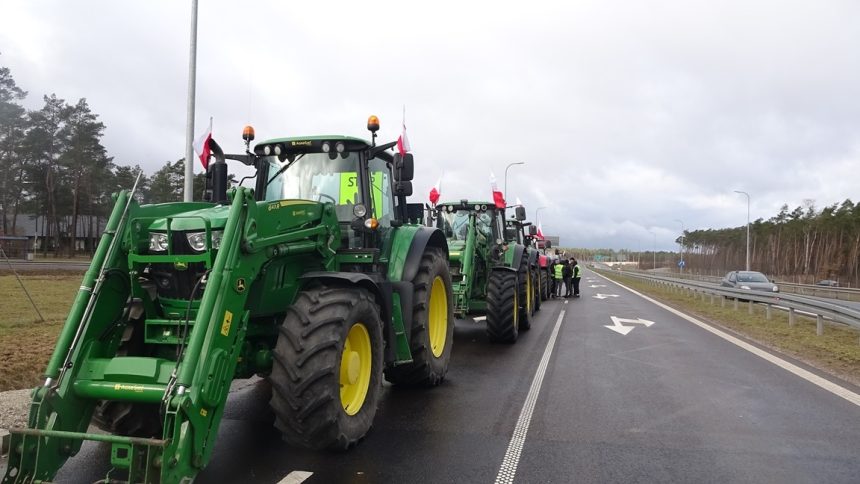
[[628, 115]]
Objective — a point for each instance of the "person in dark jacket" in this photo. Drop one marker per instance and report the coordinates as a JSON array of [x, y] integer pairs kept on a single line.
[[577, 275], [567, 273]]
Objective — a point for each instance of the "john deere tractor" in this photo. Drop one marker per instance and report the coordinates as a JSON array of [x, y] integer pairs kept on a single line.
[[525, 233], [311, 279], [490, 270]]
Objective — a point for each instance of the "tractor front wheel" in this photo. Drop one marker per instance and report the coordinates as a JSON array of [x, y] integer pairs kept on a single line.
[[432, 334], [503, 315], [544, 284], [327, 372]]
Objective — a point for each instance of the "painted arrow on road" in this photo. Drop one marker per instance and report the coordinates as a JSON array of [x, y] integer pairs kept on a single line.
[[597, 285], [604, 296], [620, 328]]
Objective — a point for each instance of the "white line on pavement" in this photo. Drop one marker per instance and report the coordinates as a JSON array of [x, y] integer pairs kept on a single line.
[[515, 447], [796, 370], [295, 477]]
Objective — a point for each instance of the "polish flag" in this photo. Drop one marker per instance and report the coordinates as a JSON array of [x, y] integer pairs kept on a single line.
[[519, 202], [403, 145], [201, 146], [540, 231], [435, 192], [498, 197]]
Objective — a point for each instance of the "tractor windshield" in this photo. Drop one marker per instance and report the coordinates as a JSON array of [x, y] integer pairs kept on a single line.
[[316, 177], [455, 225]]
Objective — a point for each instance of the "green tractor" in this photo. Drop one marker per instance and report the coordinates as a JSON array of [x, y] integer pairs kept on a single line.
[[490, 270], [312, 279], [525, 233]]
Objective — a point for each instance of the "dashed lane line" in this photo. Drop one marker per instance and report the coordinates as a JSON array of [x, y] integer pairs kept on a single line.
[[515, 447], [828, 385], [295, 477]]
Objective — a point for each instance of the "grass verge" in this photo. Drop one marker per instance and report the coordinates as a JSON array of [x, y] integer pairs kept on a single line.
[[25, 342], [836, 352]]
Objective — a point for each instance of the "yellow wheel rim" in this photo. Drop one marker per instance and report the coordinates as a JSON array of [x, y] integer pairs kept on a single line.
[[355, 363], [528, 292], [437, 319]]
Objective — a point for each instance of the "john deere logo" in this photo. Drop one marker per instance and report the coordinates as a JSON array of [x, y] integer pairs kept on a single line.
[[240, 285], [180, 266]]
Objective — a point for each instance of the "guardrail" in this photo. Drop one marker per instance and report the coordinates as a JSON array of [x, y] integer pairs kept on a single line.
[[820, 310], [840, 293]]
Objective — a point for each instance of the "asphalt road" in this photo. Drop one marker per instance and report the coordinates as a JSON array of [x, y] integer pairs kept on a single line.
[[669, 402]]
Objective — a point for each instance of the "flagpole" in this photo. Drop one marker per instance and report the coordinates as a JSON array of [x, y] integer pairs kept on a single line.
[[189, 120]]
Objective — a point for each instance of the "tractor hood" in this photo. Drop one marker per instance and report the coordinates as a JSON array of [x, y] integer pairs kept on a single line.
[[194, 220]]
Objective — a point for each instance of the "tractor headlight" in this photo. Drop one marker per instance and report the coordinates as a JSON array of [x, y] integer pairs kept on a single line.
[[157, 242], [197, 240], [359, 210]]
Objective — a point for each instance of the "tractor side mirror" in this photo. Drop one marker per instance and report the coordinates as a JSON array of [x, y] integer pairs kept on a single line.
[[403, 188], [404, 167], [532, 230], [520, 213], [510, 233]]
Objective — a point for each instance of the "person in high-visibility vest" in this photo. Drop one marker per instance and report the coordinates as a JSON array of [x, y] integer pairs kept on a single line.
[[558, 270], [577, 275]]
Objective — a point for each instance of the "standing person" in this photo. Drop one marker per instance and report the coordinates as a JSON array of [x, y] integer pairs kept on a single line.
[[577, 275], [558, 270], [567, 273]]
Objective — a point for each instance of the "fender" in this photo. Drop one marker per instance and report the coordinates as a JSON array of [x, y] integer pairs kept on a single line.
[[381, 292], [424, 237], [518, 256]]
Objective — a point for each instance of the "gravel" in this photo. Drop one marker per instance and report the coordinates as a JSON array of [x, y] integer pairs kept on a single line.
[[14, 406]]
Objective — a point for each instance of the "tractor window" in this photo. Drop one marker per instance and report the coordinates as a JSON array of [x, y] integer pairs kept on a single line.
[[484, 225], [380, 191], [316, 177], [455, 224]]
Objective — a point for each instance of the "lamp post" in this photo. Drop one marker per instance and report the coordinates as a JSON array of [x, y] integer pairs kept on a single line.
[[681, 246], [748, 226], [537, 211], [654, 267], [506, 176]]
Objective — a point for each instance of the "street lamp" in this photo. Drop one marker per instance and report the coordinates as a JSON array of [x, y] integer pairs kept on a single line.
[[654, 267], [506, 176], [680, 246], [748, 226]]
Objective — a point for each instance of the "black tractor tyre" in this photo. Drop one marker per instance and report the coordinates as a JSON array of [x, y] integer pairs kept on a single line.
[[537, 288], [308, 369], [544, 284], [127, 418], [503, 314], [430, 345], [526, 299]]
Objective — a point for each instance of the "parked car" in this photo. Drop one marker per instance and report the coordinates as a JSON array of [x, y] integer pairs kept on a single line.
[[828, 282], [750, 280]]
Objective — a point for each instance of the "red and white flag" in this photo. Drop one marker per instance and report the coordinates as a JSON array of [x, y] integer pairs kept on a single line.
[[519, 202], [540, 231], [435, 192], [403, 142], [498, 197], [201, 146]]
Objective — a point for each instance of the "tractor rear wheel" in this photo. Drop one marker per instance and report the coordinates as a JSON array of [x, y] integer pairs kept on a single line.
[[537, 287], [503, 315], [327, 372], [432, 334], [526, 294], [544, 284]]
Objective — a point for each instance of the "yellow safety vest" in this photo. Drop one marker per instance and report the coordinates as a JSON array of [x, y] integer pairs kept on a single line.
[[558, 271]]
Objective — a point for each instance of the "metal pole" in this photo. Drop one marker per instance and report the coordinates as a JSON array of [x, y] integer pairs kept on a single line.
[[748, 226], [189, 120], [680, 246], [537, 211], [506, 176]]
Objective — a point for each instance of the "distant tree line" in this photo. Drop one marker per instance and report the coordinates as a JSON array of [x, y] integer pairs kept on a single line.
[[53, 165]]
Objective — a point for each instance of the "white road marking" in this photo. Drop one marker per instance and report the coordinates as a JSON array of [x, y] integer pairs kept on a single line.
[[604, 296], [597, 285], [823, 383], [295, 477], [565, 301], [515, 447], [480, 318], [621, 329]]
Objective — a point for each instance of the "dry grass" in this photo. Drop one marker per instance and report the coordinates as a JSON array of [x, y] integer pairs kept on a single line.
[[25, 342], [837, 351]]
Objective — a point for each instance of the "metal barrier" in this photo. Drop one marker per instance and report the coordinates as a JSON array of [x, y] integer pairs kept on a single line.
[[820, 310]]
